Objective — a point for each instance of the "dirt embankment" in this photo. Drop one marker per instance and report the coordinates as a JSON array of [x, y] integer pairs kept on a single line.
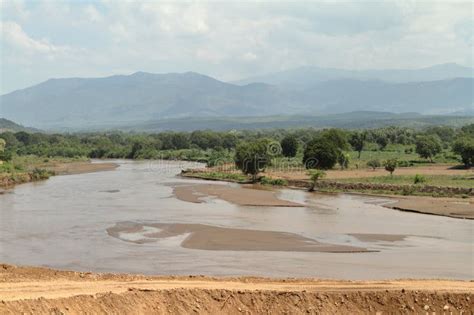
[[29, 290], [8, 180]]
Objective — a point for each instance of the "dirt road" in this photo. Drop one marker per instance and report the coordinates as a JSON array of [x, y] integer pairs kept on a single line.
[[38, 290]]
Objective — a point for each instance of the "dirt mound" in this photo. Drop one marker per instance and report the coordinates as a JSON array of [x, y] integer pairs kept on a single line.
[[186, 301], [31, 290]]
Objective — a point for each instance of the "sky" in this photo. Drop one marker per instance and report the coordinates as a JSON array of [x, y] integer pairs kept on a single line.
[[227, 40]]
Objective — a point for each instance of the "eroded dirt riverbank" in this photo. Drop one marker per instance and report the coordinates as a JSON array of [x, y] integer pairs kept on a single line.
[[45, 291]]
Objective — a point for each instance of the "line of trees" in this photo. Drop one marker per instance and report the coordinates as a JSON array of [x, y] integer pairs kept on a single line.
[[317, 148]]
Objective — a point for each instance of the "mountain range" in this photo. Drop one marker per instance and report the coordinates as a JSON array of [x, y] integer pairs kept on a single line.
[[141, 97]]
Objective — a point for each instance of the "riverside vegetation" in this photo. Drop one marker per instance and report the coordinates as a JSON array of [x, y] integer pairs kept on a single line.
[[245, 155]]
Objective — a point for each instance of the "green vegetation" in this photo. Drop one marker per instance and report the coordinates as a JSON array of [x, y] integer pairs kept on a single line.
[[252, 157], [390, 165], [463, 181], [428, 146], [357, 141], [314, 176], [289, 146], [251, 151], [273, 181], [419, 179], [374, 164], [235, 177]]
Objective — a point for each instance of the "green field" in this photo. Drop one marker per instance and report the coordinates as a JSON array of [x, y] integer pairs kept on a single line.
[[464, 181]]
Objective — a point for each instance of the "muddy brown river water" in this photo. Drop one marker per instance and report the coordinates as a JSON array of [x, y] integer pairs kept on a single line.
[[128, 220]]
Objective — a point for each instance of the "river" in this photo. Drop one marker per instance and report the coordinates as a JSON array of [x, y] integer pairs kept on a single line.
[[62, 223]]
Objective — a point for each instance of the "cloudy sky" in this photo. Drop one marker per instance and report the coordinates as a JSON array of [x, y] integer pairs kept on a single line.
[[52, 39]]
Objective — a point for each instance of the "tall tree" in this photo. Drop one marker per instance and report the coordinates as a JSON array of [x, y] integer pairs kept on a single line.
[[357, 141], [428, 146], [289, 146], [252, 157]]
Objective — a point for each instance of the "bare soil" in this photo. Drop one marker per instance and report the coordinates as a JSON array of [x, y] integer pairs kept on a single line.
[[437, 169], [450, 207], [30, 290]]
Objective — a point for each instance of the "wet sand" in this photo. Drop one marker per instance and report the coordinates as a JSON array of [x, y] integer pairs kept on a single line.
[[241, 196], [207, 237], [379, 237], [80, 167], [450, 207]]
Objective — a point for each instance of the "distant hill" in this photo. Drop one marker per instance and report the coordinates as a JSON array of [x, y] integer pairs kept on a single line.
[[133, 99], [352, 120], [305, 77], [8, 125]]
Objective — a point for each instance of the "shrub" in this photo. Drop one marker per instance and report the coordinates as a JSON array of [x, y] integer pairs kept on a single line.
[[343, 159], [419, 179], [374, 164], [273, 181], [315, 175], [39, 174], [391, 165]]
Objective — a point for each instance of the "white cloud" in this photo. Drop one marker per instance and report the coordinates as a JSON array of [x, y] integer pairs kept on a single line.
[[13, 34], [228, 40]]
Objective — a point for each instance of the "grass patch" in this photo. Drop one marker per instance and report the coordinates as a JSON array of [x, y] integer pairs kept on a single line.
[[273, 181], [463, 181], [222, 176]]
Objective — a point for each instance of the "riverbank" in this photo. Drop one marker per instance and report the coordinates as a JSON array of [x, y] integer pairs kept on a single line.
[[44, 169], [455, 207], [47, 291]]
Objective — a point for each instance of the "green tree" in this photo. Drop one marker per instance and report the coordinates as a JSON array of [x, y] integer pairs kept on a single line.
[[464, 146], [428, 146], [320, 153], [357, 141], [336, 136], [289, 146], [391, 165], [2, 145], [252, 157], [343, 159], [382, 141]]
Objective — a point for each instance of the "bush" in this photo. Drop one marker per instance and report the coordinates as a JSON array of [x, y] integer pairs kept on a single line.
[[405, 163], [419, 179], [374, 164], [391, 165], [39, 174], [315, 175], [343, 159], [273, 181]]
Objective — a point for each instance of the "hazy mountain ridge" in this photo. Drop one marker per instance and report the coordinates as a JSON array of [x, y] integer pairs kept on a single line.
[[139, 97], [8, 125], [351, 120], [304, 77]]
